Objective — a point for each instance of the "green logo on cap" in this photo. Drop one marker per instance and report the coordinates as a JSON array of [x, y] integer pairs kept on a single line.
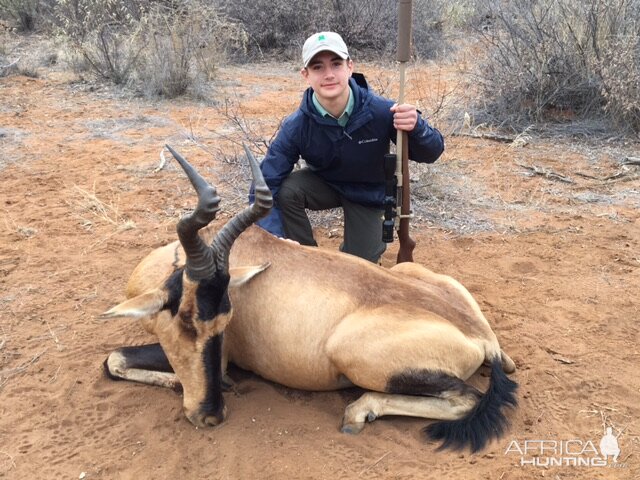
[[321, 37]]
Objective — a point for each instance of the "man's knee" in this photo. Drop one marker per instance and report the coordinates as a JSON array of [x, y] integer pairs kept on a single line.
[[290, 193]]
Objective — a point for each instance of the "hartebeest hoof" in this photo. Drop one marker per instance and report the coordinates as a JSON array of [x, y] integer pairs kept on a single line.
[[352, 428], [508, 365], [354, 418], [356, 427], [203, 420]]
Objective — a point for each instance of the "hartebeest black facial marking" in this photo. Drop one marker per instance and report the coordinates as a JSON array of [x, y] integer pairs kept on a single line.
[[213, 402], [173, 285], [212, 296], [212, 299]]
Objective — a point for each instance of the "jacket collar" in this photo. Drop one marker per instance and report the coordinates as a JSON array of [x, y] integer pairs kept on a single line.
[[360, 114]]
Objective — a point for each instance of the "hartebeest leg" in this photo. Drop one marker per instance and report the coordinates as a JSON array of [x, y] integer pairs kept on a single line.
[[372, 405], [454, 291], [146, 364], [418, 371]]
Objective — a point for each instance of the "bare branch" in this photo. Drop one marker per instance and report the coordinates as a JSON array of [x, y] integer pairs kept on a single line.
[[15, 62]]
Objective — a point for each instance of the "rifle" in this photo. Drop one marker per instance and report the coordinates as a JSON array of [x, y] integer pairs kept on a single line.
[[400, 209]]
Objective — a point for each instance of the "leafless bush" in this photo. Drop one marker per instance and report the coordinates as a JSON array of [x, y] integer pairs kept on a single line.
[[366, 25], [431, 27], [26, 55], [369, 27], [8, 67], [437, 97], [562, 57], [163, 48], [620, 70], [183, 44], [102, 34], [112, 52], [76, 20], [276, 26], [24, 13]]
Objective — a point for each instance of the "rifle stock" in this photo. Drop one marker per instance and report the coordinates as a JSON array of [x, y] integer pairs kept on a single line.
[[407, 244]]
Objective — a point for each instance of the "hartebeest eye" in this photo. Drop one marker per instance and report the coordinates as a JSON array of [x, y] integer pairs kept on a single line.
[[190, 301], [173, 285]]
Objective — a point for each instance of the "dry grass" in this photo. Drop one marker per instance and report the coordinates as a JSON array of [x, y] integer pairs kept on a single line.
[[8, 373], [107, 212], [23, 231]]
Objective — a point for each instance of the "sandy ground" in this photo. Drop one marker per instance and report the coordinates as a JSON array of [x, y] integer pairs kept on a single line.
[[554, 265]]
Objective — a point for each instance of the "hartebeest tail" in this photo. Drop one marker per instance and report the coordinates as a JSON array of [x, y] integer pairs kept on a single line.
[[485, 421]]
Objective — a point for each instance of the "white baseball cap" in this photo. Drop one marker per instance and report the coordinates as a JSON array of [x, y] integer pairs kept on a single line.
[[321, 42]]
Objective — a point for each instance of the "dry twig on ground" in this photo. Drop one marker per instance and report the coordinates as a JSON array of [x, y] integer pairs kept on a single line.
[[6, 374], [551, 175], [485, 136], [631, 161], [15, 62]]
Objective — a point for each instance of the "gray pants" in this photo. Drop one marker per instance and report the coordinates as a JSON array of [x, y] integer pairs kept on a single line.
[[303, 189]]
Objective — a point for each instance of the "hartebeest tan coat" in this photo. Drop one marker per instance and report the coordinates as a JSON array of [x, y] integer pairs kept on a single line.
[[314, 320]]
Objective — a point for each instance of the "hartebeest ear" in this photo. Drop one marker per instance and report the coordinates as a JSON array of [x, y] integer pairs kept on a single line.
[[141, 306], [241, 275]]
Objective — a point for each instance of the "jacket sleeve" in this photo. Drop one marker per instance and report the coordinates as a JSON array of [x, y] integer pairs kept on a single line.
[[425, 142], [282, 155]]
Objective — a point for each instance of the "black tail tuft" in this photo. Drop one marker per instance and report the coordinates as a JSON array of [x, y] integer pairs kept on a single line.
[[485, 421]]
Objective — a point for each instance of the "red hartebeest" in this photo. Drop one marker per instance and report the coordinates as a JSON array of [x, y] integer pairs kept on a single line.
[[310, 319]]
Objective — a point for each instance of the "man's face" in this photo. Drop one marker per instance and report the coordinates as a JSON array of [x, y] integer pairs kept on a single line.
[[328, 75]]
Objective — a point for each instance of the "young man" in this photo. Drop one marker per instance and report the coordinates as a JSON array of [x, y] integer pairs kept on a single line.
[[342, 130]]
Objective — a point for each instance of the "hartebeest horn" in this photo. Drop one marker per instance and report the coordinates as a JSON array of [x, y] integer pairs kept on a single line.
[[263, 202], [200, 260]]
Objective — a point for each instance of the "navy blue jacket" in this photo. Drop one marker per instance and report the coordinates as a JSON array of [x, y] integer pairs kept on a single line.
[[350, 159]]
